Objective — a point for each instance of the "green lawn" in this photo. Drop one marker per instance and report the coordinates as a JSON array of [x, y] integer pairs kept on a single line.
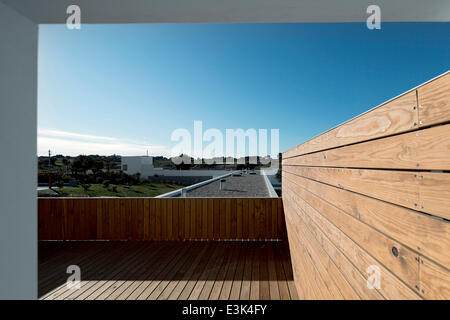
[[99, 190]]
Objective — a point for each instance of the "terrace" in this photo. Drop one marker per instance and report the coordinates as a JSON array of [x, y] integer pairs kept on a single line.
[[165, 248], [369, 195], [167, 270]]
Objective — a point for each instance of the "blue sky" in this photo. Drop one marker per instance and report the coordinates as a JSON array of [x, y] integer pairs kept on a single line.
[[124, 88]]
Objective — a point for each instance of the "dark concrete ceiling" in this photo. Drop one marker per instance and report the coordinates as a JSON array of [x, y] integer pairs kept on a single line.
[[204, 11]]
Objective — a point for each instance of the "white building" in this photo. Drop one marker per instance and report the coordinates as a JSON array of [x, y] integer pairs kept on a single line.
[[139, 164]]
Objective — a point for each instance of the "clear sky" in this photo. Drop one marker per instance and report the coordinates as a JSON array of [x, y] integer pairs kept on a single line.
[[123, 89]]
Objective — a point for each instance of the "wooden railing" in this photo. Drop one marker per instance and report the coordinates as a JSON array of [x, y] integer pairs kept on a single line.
[[374, 195], [161, 219]]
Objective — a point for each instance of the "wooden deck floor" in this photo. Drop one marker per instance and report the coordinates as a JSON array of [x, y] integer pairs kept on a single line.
[[167, 270]]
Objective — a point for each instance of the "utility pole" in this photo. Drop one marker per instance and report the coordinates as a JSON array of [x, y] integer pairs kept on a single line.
[[49, 174], [49, 160]]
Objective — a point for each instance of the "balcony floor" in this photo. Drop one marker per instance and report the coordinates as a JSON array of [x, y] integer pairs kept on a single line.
[[167, 270]]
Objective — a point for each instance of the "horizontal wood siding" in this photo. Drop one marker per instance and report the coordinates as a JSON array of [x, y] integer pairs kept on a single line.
[[160, 219], [374, 192]]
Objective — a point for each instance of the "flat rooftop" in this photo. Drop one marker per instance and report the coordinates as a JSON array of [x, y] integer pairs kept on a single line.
[[245, 186]]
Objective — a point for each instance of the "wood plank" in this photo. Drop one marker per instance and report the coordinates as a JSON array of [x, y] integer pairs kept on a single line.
[[239, 218], [129, 219], [257, 225], [251, 219], [309, 281], [281, 276], [222, 219], [134, 219], [262, 219], [146, 218], [175, 269], [163, 220], [264, 291], [268, 227], [205, 224], [247, 276], [175, 219], [211, 216], [158, 220], [239, 273], [273, 281], [227, 219], [197, 269], [169, 214], [168, 292], [426, 149], [199, 218], [181, 219], [434, 280], [396, 116], [404, 264], [434, 196], [342, 249], [281, 229], [233, 230], [146, 286], [254, 284], [434, 101], [124, 220], [337, 284], [228, 281], [125, 269], [287, 267], [409, 227], [309, 287], [90, 268], [152, 222], [274, 224], [245, 222], [193, 219], [208, 271], [401, 188], [216, 209], [121, 289], [158, 281], [214, 271], [221, 276]]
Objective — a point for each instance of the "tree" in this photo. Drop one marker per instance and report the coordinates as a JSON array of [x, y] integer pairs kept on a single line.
[[85, 186], [97, 166], [82, 163], [66, 163]]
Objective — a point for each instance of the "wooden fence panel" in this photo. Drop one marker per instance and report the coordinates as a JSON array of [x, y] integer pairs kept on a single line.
[[160, 219], [374, 194]]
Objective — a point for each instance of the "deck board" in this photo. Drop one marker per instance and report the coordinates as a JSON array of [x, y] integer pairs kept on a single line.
[[166, 270]]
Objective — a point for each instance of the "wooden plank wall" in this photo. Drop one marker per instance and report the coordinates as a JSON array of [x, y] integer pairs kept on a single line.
[[161, 219], [374, 191]]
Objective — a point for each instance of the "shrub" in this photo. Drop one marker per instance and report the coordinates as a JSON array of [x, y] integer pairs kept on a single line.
[[85, 186], [106, 183]]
